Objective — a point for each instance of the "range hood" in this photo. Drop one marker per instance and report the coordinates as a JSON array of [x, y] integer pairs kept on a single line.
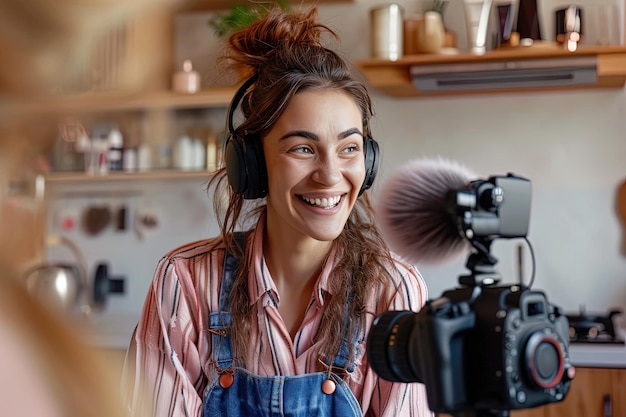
[[509, 74]]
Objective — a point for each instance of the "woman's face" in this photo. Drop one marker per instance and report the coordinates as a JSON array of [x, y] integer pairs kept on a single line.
[[315, 165]]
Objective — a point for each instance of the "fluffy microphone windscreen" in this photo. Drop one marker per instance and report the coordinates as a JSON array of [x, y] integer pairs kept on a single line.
[[412, 215]]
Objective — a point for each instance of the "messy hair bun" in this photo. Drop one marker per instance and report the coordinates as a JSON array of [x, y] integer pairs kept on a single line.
[[284, 51], [258, 45]]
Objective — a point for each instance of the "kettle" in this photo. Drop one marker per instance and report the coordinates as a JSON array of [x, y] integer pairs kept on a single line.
[[59, 285]]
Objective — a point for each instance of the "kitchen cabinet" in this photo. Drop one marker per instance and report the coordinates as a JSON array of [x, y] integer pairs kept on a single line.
[[586, 397], [394, 78]]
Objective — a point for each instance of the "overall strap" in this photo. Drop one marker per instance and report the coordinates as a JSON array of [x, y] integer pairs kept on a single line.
[[220, 320], [231, 262]]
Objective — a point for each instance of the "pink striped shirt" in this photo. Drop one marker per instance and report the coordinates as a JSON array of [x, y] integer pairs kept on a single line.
[[169, 356]]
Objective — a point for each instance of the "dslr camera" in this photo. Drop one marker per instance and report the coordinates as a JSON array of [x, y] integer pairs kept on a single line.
[[482, 348]]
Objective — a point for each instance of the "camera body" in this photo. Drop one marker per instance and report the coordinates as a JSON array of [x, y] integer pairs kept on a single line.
[[481, 347], [514, 356], [507, 349]]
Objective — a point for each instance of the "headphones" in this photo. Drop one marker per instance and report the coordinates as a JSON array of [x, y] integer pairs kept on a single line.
[[245, 162]]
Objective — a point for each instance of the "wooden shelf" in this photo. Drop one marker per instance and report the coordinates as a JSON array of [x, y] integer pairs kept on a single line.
[[212, 5], [393, 77], [118, 101], [78, 177]]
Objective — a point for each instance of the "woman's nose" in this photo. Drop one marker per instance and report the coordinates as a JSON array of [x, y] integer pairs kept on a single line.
[[328, 170]]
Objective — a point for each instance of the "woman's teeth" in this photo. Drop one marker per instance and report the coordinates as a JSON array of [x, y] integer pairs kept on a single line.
[[323, 202]]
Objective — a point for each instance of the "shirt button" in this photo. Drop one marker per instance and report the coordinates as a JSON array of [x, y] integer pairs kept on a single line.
[[328, 386], [226, 380]]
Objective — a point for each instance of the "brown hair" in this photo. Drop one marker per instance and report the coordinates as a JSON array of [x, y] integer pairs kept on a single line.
[[284, 50]]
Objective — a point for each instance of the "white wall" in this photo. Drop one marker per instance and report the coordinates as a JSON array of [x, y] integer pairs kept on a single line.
[[570, 145], [182, 210]]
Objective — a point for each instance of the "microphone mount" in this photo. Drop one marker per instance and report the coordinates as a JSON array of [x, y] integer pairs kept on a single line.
[[481, 264]]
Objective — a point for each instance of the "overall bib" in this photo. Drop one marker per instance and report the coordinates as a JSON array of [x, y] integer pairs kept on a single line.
[[235, 392]]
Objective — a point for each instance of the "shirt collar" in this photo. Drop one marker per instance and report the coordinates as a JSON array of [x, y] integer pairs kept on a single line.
[[260, 281]]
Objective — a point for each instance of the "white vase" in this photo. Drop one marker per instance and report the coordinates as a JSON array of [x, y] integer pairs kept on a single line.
[[431, 33]]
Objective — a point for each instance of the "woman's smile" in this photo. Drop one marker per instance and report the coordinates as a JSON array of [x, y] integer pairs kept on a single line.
[[326, 203]]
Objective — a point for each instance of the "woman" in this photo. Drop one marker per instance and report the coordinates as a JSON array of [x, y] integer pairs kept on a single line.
[[278, 323]]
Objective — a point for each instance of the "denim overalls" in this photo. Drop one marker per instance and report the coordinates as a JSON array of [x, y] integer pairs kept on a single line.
[[237, 392]]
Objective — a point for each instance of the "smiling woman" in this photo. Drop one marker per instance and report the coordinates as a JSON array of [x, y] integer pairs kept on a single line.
[[282, 309]]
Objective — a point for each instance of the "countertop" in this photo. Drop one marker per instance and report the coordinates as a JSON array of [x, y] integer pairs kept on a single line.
[[598, 355]]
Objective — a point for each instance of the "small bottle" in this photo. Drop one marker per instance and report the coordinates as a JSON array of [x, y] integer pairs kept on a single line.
[[183, 153], [166, 156], [144, 158], [187, 80], [116, 150], [101, 147], [199, 154], [211, 154], [130, 160]]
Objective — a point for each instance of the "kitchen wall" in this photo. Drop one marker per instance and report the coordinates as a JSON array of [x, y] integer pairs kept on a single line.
[[159, 216], [570, 144]]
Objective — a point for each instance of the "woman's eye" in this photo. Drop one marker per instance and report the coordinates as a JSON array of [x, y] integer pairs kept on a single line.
[[351, 148], [301, 149]]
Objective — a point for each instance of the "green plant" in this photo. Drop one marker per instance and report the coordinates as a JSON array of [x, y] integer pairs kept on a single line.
[[240, 16]]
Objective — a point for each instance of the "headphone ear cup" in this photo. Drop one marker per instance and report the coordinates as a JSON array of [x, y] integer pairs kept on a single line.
[[372, 160], [235, 159], [256, 168], [245, 166]]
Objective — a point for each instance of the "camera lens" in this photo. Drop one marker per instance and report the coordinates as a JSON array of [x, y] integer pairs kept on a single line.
[[388, 346], [544, 360]]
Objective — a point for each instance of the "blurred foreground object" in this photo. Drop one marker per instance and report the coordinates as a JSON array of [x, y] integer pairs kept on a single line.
[[50, 48], [47, 44], [46, 368]]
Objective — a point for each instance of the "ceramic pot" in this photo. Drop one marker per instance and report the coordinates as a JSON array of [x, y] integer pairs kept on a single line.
[[431, 33]]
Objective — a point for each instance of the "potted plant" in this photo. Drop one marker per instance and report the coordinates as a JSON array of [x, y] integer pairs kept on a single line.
[[239, 16]]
